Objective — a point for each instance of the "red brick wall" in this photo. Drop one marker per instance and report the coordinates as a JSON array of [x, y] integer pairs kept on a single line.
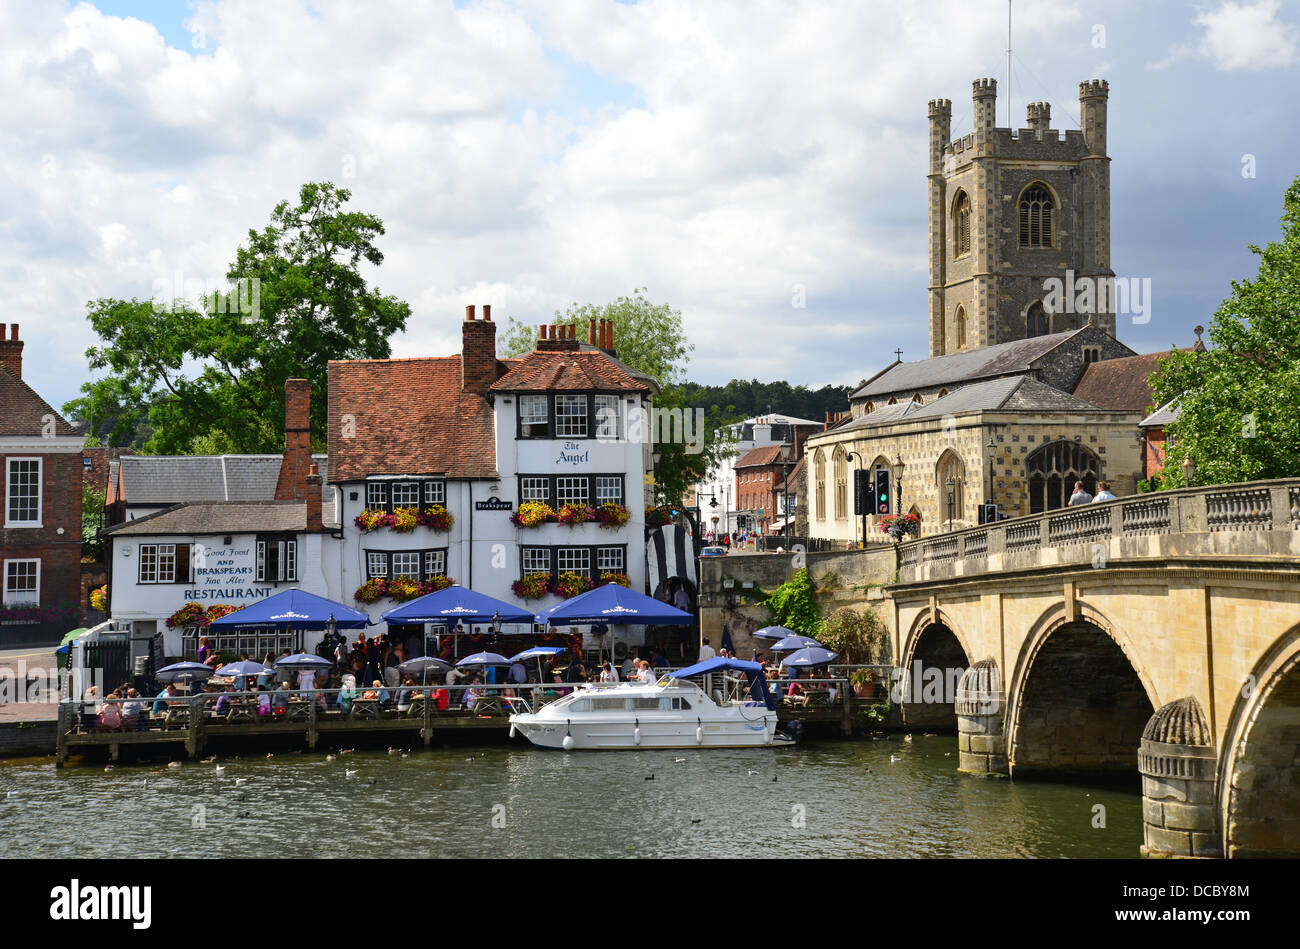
[[60, 554], [478, 359]]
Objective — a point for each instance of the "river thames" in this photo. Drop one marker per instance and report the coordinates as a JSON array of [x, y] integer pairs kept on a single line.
[[820, 799]]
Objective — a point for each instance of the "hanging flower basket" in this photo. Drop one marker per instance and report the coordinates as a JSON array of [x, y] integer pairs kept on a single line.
[[192, 614], [657, 517], [574, 514], [532, 514], [898, 526], [400, 589], [99, 598], [568, 585], [537, 513], [612, 515], [532, 587], [622, 579], [403, 520]]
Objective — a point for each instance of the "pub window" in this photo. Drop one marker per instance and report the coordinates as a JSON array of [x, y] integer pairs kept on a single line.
[[607, 419], [609, 559], [406, 494], [571, 416], [277, 560], [536, 560], [573, 560], [435, 564], [376, 563], [435, 492], [609, 490], [534, 421], [535, 489], [376, 496], [23, 505], [164, 563], [407, 565], [571, 490]]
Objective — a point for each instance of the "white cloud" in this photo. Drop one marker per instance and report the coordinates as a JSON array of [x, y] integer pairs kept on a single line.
[[1247, 36]]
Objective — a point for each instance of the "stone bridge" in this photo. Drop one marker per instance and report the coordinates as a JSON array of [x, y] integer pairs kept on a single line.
[[1157, 634]]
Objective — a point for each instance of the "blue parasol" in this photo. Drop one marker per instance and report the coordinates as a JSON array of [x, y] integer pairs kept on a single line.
[[809, 657], [793, 643]]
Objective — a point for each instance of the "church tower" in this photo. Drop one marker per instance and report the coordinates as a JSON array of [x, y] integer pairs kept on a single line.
[[1017, 220]]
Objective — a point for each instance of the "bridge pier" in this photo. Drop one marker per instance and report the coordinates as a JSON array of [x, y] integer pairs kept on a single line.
[[981, 709], [1177, 760]]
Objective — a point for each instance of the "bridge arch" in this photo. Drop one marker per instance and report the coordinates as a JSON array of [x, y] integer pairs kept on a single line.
[[1078, 701], [935, 655], [1259, 781]]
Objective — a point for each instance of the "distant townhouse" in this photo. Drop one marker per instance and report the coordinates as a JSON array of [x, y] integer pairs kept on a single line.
[[40, 540]]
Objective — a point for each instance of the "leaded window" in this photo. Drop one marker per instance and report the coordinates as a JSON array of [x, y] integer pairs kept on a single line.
[[1036, 217]]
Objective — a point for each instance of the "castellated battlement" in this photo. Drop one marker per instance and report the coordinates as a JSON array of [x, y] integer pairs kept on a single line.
[[1062, 144], [940, 108], [1094, 89], [984, 89]]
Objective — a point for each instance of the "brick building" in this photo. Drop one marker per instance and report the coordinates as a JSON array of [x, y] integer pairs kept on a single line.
[[40, 540]]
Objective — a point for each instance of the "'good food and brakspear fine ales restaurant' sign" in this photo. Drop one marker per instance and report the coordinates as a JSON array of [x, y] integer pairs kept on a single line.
[[225, 573]]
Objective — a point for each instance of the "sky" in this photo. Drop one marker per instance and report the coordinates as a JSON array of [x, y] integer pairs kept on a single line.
[[734, 158]]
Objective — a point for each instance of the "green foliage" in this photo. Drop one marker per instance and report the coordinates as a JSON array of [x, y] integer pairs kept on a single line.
[[92, 519], [794, 605], [183, 380], [740, 399], [1240, 401], [860, 638]]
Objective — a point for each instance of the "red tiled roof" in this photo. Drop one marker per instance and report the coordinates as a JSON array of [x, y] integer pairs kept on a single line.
[[24, 411], [760, 456], [549, 370], [410, 417], [1120, 384]]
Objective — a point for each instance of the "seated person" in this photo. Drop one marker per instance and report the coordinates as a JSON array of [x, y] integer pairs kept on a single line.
[[132, 710], [472, 694], [223, 704], [110, 714], [280, 699], [794, 689], [404, 695], [347, 692], [263, 703]]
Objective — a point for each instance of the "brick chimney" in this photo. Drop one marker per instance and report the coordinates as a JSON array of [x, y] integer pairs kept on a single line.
[[11, 350], [296, 467], [478, 351], [557, 338]]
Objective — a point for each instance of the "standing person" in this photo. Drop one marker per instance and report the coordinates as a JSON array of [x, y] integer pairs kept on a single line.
[[706, 651], [576, 671], [518, 674], [307, 679], [1103, 494], [726, 541], [1079, 496], [204, 649], [682, 599]]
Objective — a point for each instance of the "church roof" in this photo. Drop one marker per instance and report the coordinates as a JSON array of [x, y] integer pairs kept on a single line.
[[1120, 384], [966, 366], [1007, 394]]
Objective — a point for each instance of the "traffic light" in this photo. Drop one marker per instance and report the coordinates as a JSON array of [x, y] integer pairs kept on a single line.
[[883, 500], [862, 492]]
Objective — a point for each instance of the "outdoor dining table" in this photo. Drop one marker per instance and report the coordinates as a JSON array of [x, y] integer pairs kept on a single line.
[[365, 708], [242, 710], [299, 708]]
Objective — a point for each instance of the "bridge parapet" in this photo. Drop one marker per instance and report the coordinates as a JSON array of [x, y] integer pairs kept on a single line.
[[1258, 520]]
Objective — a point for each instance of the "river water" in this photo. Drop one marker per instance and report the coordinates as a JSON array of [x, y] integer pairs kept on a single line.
[[829, 798]]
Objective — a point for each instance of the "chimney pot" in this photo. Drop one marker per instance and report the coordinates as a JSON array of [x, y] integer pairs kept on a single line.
[[551, 331], [469, 312], [591, 331], [487, 312], [541, 331], [13, 330]]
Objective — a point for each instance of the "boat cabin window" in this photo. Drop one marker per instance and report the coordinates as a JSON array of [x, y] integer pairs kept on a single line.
[[579, 705], [646, 703], [607, 704], [681, 703]]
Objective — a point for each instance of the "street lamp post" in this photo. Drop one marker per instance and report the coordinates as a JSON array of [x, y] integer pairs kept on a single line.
[[897, 469], [991, 448], [861, 461], [786, 450], [1189, 466], [952, 488]]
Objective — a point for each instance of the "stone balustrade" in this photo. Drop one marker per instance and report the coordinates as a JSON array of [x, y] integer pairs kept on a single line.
[[1260, 519]]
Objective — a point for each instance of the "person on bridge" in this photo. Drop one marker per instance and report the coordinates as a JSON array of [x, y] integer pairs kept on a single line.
[[1080, 496], [1104, 494]]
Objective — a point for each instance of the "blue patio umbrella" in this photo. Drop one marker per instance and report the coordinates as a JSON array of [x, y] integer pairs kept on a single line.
[[483, 659], [614, 603], [794, 642], [808, 657], [293, 609], [538, 653], [422, 666], [302, 660], [456, 604], [773, 632], [184, 672], [245, 668]]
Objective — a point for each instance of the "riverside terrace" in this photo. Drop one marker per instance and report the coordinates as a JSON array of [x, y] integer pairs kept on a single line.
[[395, 714]]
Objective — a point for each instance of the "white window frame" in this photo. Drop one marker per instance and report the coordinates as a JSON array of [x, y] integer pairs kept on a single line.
[[532, 418], [528, 491], [608, 421], [10, 598], [602, 489], [604, 556], [583, 571], [411, 561], [571, 489], [435, 492], [376, 496], [40, 490], [571, 420], [531, 557], [376, 558], [435, 563], [410, 491]]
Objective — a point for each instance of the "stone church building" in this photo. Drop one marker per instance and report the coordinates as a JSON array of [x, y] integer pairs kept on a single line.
[[1011, 405]]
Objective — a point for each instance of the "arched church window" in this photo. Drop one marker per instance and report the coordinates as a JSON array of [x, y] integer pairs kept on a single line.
[[916, 397], [961, 326], [819, 477], [961, 225], [1052, 471], [1035, 320], [841, 483], [1036, 217]]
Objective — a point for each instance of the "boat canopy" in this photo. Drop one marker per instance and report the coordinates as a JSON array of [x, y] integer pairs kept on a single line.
[[753, 674]]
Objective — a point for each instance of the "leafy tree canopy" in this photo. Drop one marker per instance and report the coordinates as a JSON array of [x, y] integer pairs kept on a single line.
[[1239, 402], [184, 378]]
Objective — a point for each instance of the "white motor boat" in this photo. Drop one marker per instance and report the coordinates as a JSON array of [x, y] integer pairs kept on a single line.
[[675, 712]]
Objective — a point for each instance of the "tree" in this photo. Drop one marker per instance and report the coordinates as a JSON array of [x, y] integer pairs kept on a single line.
[[1239, 402], [648, 338], [211, 378]]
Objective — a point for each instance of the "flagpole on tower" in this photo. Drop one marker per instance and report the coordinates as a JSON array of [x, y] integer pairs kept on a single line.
[[1010, 123]]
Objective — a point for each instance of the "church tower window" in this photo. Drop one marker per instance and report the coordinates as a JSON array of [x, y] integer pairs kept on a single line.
[[1035, 320], [1036, 217], [961, 225], [961, 326]]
